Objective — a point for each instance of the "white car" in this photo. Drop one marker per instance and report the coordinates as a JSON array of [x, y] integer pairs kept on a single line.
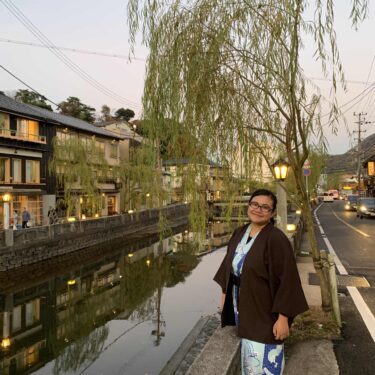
[[328, 197]]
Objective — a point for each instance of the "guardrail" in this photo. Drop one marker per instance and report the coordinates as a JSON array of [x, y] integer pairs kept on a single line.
[[14, 134], [29, 235], [33, 245]]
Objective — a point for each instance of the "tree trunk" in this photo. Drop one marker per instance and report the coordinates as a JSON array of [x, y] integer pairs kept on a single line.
[[315, 253]]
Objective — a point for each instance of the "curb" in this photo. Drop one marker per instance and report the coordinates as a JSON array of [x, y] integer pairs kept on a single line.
[[191, 347]]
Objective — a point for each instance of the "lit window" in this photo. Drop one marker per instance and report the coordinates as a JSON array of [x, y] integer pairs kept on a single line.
[[4, 123], [17, 170], [4, 170], [28, 129], [33, 171]]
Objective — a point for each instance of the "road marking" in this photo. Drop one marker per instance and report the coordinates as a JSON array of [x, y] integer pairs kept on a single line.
[[337, 260], [363, 309], [350, 226]]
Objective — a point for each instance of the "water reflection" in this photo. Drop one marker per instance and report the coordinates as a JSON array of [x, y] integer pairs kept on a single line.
[[59, 318]]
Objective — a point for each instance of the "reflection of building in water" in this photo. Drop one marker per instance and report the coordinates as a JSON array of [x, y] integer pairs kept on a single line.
[[45, 317], [20, 318], [217, 234]]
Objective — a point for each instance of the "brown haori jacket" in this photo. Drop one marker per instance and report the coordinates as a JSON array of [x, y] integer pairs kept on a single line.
[[269, 285]]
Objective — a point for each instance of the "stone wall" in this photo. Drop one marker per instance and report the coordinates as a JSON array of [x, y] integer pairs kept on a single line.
[[40, 243]]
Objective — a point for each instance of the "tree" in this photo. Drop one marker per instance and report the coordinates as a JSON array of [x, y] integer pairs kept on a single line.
[[33, 98], [124, 114], [75, 108], [78, 164], [230, 73], [106, 113]]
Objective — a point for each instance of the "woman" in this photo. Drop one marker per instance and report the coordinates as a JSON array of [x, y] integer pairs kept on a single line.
[[261, 287]]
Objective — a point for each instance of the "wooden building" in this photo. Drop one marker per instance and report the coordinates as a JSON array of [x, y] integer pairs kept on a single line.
[[26, 134]]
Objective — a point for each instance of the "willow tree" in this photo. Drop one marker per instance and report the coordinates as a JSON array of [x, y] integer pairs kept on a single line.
[[79, 167], [230, 74]]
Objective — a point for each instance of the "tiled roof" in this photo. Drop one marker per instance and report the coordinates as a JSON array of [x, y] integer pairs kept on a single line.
[[10, 105]]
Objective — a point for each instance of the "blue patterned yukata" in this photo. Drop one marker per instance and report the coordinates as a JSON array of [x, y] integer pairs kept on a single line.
[[256, 358]]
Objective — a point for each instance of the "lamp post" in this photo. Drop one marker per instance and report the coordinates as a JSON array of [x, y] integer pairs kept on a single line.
[[280, 168], [6, 200]]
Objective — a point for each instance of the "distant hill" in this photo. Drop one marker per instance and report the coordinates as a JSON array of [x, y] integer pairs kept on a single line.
[[347, 163]]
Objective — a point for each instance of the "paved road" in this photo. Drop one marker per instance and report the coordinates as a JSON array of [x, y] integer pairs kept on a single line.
[[353, 241]]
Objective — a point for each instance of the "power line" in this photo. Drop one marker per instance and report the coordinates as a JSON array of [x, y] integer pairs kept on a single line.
[[368, 77], [125, 57], [361, 121], [363, 92], [372, 87], [330, 80], [62, 57], [31, 44], [24, 83]]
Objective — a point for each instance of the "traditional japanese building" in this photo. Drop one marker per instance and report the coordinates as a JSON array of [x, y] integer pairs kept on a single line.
[[26, 134]]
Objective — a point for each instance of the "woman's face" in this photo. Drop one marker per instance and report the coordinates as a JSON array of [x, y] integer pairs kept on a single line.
[[260, 210]]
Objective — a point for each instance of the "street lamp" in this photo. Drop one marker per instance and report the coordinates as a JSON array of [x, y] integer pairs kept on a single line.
[[280, 168], [6, 200], [134, 126]]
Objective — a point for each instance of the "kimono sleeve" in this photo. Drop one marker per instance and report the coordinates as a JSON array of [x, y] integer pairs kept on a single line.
[[222, 275], [285, 284]]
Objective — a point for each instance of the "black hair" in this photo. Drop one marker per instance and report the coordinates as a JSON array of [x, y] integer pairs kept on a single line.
[[267, 193]]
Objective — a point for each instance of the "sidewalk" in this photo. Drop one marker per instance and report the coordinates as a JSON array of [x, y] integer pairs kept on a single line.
[[313, 357]]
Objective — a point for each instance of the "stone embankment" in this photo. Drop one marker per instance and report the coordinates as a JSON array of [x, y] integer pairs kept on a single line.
[[32, 245]]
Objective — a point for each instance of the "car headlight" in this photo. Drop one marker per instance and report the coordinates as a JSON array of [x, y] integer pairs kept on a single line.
[[347, 207], [363, 208]]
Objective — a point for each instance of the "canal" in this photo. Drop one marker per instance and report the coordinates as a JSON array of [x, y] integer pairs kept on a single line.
[[120, 309]]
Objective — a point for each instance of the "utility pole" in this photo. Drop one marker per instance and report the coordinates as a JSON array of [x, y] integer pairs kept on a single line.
[[361, 121]]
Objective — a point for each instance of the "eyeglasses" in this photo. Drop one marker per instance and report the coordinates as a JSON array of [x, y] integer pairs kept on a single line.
[[262, 207]]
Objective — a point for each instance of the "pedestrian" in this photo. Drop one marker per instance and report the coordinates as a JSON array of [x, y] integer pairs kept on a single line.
[[50, 215], [15, 219], [25, 217], [261, 288]]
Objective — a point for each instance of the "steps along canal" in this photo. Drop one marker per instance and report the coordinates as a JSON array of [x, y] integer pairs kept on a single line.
[[120, 309]]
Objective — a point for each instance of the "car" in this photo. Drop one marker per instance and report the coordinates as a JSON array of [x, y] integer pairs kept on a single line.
[[366, 207], [328, 197], [351, 202]]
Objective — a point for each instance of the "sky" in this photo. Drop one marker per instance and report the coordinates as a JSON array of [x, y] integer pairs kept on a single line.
[[101, 27]]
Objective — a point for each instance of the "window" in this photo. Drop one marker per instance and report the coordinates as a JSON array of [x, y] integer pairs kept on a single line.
[[32, 312], [113, 147], [86, 141], [34, 205], [28, 129], [17, 170], [4, 170], [100, 146], [17, 319], [65, 135], [4, 123], [33, 171]]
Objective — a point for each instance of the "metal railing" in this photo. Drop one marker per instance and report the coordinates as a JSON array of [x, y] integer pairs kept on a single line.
[[135, 220], [14, 134]]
